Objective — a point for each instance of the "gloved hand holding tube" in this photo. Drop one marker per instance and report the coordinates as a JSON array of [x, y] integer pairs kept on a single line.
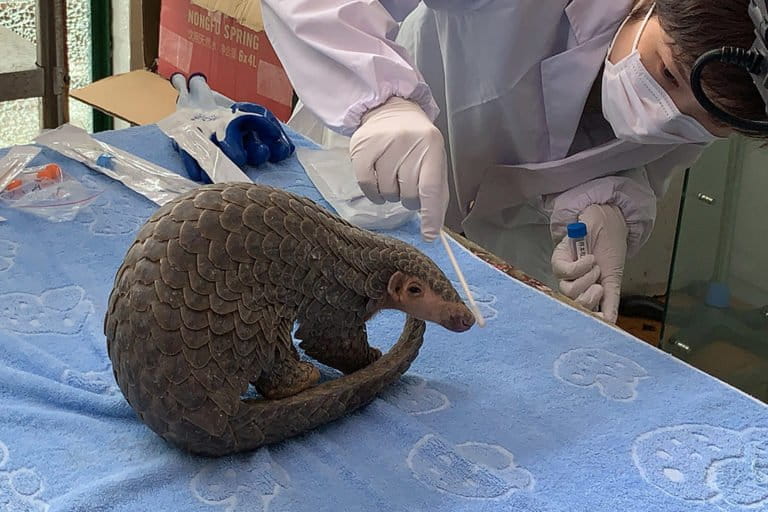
[[398, 155], [593, 277]]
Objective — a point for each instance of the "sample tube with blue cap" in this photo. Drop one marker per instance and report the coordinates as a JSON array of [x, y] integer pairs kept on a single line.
[[577, 233]]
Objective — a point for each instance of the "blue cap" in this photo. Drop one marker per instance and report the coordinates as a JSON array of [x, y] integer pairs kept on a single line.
[[577, 230], [104, 160]]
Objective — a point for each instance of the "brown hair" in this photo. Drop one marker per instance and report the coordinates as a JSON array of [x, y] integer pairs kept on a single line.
[[697, 26]]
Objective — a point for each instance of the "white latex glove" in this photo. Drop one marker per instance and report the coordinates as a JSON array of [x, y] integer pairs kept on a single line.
[[398, 155], [595, 280], [196, 94]]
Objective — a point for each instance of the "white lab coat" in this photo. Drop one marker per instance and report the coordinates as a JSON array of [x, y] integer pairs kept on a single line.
[[506, 82]]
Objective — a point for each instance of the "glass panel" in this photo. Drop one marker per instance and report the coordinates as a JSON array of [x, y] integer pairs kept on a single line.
[[19, 16], [79, 43], [20, 120], [717, 313]]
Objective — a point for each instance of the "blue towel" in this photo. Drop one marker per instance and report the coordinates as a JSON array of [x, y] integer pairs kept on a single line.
[[544, 410]]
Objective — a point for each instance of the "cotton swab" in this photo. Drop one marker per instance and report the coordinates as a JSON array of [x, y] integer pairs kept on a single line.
[[473, 305]]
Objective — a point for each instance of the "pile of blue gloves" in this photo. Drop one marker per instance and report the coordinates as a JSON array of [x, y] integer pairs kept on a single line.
[[247, 133]]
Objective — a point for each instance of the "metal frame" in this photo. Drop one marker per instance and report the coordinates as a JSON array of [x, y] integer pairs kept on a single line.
[[50, 79], [734, 177]]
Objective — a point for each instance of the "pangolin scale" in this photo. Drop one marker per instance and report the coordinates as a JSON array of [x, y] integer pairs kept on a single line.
[[208, 295]]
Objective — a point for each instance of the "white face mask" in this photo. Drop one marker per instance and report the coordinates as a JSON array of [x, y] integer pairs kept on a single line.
[[637, 106]]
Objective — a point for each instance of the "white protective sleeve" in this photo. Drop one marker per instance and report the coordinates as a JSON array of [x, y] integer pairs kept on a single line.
[[630, 191], [341, 59]]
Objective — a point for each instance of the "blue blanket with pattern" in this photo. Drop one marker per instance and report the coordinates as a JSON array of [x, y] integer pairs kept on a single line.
[[543, 410]]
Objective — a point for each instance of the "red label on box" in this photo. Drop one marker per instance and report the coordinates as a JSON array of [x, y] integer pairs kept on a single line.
[[240, 63]]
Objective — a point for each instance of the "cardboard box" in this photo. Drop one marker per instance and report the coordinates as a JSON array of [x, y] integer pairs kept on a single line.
[[225, 41], [145, 33], [139, 97], [246, 12], [142, 97]]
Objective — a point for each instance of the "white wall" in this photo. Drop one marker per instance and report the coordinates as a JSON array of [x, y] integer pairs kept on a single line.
[[121, 34], [121, 49]]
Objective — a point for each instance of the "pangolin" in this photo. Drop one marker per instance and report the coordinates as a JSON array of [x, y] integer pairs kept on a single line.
[[208, 296]]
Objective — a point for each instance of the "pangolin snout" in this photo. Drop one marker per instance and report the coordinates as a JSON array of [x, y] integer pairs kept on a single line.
[[460, 320]]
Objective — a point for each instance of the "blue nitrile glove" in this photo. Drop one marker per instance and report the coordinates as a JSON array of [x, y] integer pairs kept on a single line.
[[247, 133], [253, 136], [194, 171]]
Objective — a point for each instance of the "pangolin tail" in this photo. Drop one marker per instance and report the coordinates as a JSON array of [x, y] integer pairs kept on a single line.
[[261, 422]]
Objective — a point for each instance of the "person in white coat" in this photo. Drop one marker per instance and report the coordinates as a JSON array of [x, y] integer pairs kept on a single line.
[[507, 120]]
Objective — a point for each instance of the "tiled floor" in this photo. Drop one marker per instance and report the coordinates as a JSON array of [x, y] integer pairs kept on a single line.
[[647, 330]]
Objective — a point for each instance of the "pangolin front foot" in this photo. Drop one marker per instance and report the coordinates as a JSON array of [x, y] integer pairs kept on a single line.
[[347, 357], [289, 379], [357, 361]]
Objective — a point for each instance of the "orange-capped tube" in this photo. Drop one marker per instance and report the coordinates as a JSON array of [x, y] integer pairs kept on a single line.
[[49, 172], [13, 185]]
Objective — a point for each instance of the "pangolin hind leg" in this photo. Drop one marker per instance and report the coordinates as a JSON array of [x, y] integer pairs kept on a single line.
[[287, 375], [346, 352]]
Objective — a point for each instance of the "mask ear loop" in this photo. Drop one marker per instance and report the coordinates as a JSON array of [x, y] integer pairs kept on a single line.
[[642, 27], [616, 36], [623, 24]]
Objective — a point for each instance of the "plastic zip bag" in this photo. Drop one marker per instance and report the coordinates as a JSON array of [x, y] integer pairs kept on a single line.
[[330, 169], [156, 183], [44, 191], [331, 172], [14, 162], [183, 127]]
